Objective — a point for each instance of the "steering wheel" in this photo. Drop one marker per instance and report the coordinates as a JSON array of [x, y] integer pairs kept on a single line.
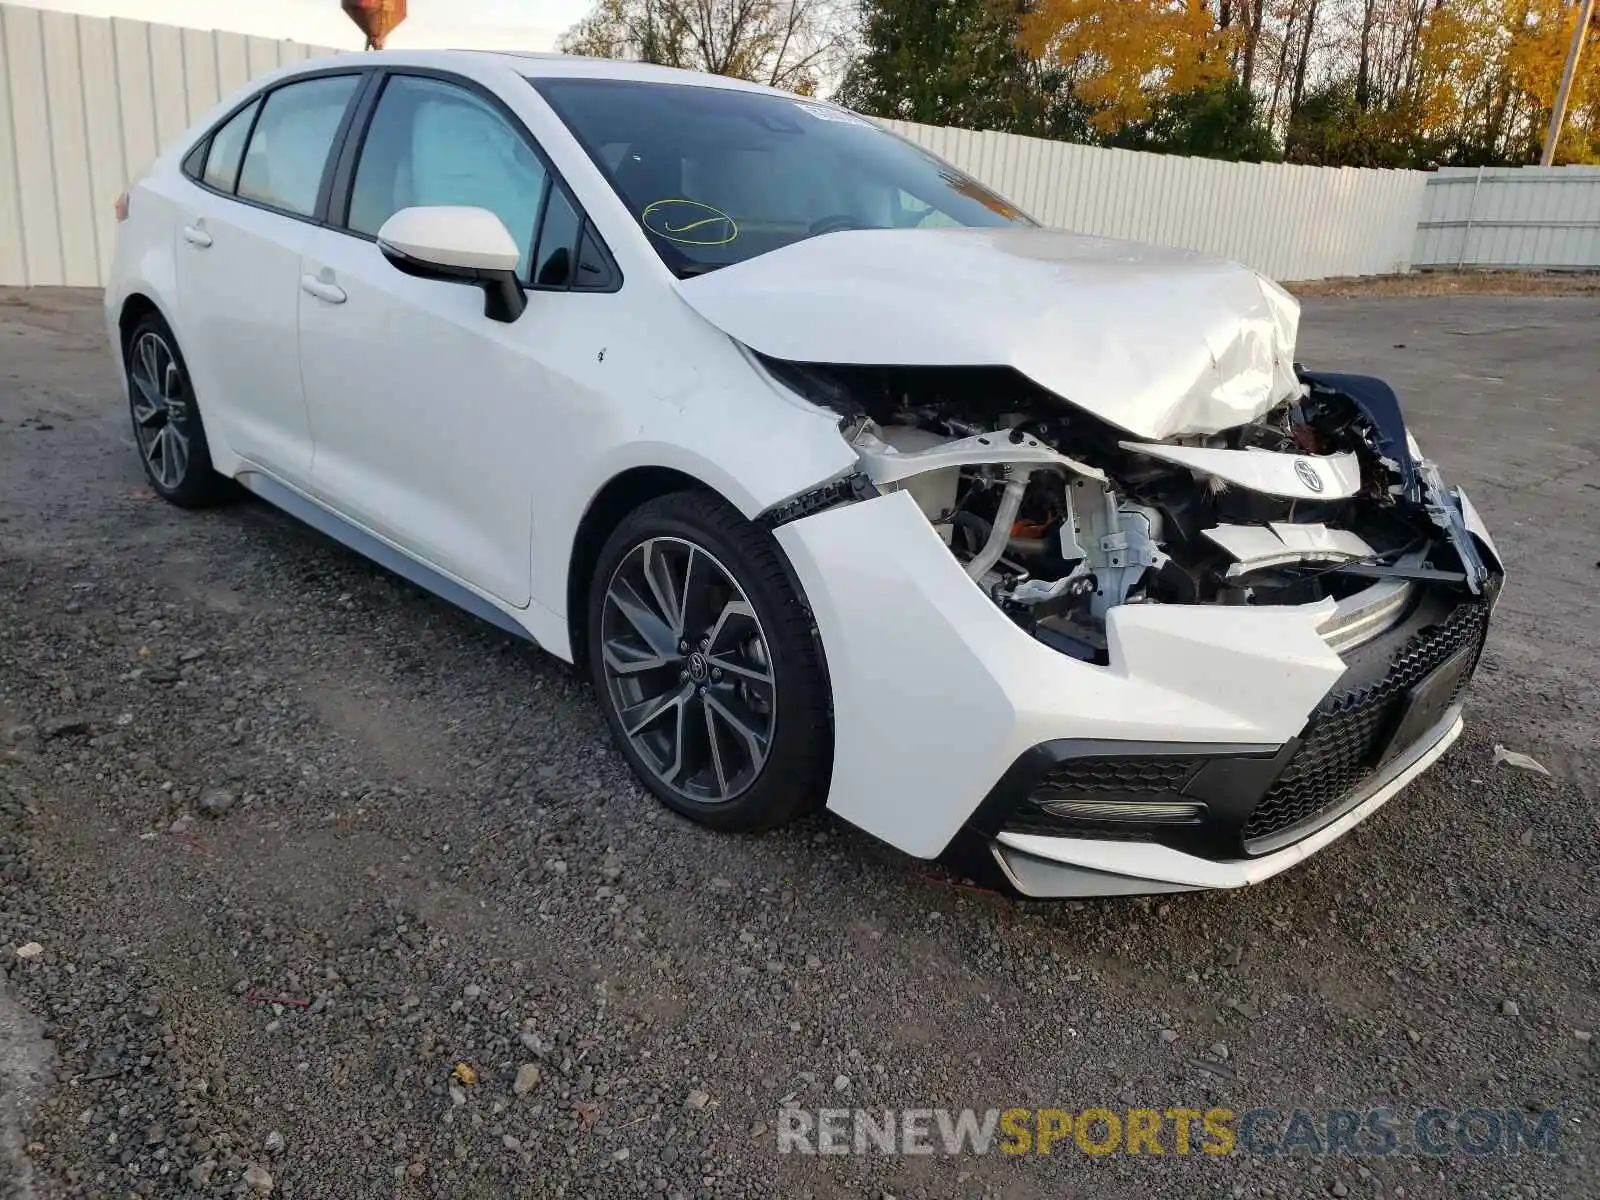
[[837, 223]]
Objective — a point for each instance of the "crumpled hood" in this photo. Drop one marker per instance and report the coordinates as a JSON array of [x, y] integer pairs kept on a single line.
[[1158, 342]]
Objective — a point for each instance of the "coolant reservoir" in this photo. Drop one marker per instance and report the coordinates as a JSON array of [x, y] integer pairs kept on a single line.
[[935, 491]]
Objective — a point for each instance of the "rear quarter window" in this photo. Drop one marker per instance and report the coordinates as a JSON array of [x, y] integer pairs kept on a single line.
[[289, 149], [227, 150]]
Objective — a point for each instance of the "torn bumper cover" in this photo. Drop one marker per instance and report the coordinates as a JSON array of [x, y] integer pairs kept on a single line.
[[1217, 746]]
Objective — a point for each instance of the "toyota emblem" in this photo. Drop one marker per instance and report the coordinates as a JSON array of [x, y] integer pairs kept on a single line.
[[1308, 474]]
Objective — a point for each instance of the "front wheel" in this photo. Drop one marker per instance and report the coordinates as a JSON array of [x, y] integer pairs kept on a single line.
[[706, 665]]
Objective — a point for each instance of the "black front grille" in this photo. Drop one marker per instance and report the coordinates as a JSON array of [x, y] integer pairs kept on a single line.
[[1344, 740], [1142, 776]]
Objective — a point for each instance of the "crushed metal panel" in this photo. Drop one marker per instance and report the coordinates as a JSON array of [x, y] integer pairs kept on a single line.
[[1279, 543], [1159, 342]]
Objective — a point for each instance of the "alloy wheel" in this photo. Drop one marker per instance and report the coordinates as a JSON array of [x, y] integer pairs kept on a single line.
[[687, 669], [160, 410]]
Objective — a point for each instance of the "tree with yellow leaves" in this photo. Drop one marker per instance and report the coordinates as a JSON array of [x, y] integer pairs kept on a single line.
[[1120, 58], [1487, 74]]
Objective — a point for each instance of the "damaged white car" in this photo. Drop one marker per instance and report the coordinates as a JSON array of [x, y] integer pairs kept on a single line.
[[846, 482]]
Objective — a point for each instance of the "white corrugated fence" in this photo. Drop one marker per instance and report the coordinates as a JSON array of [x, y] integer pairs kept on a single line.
[[1286, 221], [85, 103], [1518, 217]]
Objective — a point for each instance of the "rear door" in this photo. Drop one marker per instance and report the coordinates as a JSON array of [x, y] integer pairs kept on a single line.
[[427, 412], [260, 186]]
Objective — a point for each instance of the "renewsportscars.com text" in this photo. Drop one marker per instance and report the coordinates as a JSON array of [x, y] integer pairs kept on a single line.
[[1373, 1132]]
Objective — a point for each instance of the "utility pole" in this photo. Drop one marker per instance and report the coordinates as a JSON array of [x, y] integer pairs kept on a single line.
[[1559, 113]]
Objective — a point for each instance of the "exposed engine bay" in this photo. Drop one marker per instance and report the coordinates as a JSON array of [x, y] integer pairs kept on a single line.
[[1058, 516]]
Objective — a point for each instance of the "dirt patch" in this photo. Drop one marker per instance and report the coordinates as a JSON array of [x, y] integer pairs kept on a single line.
[[24, 1056], [1457, 283]]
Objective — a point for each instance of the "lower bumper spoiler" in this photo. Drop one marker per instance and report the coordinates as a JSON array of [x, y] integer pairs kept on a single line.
[[1056, 867]]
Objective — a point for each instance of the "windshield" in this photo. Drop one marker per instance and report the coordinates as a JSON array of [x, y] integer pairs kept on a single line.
[[716, 176]]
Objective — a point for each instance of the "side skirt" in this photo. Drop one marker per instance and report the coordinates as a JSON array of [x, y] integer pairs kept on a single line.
[[369, 545]]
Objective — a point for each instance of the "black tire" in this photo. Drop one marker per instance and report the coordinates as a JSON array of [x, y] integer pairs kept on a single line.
[[776, 638], [178, 467]]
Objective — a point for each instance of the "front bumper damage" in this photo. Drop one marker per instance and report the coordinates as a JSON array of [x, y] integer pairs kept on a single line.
[[951, 723]]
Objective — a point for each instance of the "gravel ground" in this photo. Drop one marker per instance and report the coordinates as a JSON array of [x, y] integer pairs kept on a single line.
[[283, 842]]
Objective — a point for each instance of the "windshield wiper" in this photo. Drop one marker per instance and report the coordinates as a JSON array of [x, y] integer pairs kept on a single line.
[[690, 270]]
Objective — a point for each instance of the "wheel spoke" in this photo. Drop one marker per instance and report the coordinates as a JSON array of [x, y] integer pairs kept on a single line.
[[681, 720], [146, 382], [149, 360], [623, 659], [156, 453], [699, 575], [741, 722], [177, 453], [656, 632], [148, 406], [758, 675], [737, 609], [649, 710], [668, 597], [716, 750], [172, 383]]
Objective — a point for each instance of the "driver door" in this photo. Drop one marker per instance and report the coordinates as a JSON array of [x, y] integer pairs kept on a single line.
[[426, 413]]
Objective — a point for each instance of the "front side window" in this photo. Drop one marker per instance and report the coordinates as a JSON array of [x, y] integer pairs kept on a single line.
[[433, 143], [717, 175], [289, 150], [227, 150]]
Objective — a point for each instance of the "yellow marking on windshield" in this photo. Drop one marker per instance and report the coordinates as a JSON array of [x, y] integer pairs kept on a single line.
[[693, 225], [655, 219]]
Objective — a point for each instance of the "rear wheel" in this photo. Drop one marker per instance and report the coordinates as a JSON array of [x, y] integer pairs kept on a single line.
[[166, 418], [706, 666]]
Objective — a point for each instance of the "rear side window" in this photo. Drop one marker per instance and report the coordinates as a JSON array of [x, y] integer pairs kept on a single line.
[[433, 143], [288, 152], [227, 150]]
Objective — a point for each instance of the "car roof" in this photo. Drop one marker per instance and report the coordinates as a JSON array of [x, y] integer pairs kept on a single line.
[[545, 66]]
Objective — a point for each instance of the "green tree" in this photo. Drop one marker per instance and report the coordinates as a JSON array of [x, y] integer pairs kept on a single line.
[[1222, 120], [1331, 128], [951, 62]]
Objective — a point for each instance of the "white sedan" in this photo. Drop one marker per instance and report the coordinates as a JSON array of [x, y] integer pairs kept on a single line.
[[844, 481]]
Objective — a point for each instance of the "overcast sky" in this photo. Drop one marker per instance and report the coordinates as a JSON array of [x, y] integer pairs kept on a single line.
[[459, 24]]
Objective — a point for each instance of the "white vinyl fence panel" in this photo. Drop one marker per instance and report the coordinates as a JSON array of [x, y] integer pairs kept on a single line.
[[1286, 221], [86, 104], [1534, 217]]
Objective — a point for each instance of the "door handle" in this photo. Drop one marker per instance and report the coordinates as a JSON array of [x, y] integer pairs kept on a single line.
[[322, 289], [196, 236]]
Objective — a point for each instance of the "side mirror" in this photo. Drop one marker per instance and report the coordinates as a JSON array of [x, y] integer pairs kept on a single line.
[[458, 245]]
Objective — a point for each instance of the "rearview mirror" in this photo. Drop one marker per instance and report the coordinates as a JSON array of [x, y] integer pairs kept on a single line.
[[458, 245]]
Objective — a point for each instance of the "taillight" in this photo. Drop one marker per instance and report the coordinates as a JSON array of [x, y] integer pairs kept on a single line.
[[122, 207]]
